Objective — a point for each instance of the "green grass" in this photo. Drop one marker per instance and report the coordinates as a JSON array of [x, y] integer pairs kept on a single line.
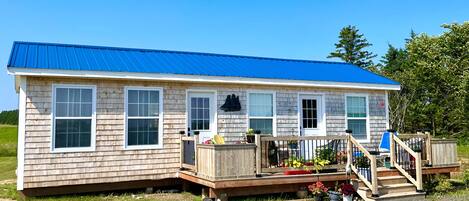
[[7, 168], [463, 155], [8, 140], [458, 195]]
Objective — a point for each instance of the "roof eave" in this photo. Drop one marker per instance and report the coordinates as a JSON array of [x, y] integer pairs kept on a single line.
[[20, 71]]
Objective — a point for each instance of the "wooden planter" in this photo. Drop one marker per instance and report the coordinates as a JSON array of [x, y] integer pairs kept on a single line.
[[226, 161], [444, 152]]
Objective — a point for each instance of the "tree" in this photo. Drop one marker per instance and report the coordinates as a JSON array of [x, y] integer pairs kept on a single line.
[[434, 76], [351, 48], [9, 117]]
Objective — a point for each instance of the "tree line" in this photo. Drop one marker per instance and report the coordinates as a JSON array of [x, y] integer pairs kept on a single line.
[[433, 72], [9, 117]]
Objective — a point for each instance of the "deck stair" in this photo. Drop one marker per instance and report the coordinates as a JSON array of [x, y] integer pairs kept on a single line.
[[390, 188]]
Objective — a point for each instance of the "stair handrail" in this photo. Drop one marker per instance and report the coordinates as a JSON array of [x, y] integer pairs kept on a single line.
[[373, 185], [418, 162]]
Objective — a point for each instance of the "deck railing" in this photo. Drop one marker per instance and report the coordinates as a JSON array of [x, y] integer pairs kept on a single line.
[[407, 161], [363, 164], [188, 152], [276, 154], [420, 142]]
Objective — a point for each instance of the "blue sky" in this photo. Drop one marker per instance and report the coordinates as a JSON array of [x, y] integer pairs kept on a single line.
[[297, 29]]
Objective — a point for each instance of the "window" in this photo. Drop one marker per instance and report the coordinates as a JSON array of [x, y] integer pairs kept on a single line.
[[200, 113], [144, 117], [261, 112], [357, 116], [310, 113], [73, 118]]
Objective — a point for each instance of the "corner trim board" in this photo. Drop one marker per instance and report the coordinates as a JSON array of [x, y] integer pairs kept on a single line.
[[21, 132]]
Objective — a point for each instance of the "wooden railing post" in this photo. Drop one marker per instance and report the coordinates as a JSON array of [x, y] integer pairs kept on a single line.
[[181, 149], [258, 154], [428, 145], [349, 151], [374, 177], [392, 149], [196, 141], [418, 171]]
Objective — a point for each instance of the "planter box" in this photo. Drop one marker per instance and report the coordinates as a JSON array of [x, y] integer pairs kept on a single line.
[[444, 152], [296, 172], [226, 161]]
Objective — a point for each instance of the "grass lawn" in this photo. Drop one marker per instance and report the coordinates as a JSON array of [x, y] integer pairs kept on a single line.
[[8, 140]]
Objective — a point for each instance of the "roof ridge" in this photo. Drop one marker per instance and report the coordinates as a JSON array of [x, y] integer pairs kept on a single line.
[[178, 52]]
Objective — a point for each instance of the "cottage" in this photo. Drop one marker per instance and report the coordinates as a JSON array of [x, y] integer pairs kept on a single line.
[[92, 115]]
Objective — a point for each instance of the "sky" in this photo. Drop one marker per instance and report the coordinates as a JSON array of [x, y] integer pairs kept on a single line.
[[283, 29]]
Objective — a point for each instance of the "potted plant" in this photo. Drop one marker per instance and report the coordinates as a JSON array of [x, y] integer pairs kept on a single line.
[[363, 166], [342, 157], [319, 164], [318, 190], [347, 191], [296, 166], [302, 193], [334, 194], [250, 138]]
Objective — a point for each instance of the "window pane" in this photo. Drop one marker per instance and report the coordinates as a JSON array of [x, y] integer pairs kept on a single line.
[[153, 109], [143, 96], [61, 110], [86, 95], [264, 125], [74, 109], [74, 95], [132, 96], [142, 131], [86, 110], [154, 97], [72, 133], [61, 95], [260, 105], [356, 107], [358, 127]]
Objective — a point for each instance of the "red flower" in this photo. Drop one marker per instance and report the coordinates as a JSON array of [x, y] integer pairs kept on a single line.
[[317, 188], [347, 189]]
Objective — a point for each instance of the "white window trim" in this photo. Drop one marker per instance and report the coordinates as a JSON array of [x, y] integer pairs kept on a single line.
[[274, 108], [160, 118], [367, 108], [321, 125], [92, 146]]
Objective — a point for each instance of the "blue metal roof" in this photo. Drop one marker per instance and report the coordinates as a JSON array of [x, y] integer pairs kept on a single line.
[[112, 59]]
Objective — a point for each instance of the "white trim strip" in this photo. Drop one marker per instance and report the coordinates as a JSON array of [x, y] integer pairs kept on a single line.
[[21, 132], [195, 78]]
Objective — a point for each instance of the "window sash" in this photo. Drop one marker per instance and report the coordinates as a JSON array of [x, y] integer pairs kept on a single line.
[[157, 102], [359, 114], [88, 100], [269, 115]]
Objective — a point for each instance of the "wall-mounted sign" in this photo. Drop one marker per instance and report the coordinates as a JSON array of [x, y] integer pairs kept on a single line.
[[231, 104]]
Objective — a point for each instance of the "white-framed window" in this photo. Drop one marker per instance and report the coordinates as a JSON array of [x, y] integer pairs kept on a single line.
[[143, 117], [73, 118], [261, 111], [357, 116]]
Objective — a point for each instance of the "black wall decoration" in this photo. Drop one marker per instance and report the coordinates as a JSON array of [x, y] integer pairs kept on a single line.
[[231, 104]]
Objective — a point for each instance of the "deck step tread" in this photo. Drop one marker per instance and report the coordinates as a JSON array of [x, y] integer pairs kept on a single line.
[[389, 186], [401, 196], [391, 177]]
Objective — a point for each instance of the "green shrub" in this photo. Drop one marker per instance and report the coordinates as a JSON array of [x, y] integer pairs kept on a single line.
[[465, 177], [444, 186]]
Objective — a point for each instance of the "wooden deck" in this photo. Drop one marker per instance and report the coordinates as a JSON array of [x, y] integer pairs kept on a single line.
[[279, 183], [251, 169]]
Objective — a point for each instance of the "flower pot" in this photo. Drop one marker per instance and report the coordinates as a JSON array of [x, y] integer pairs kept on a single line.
[[347, 197], [302, 194], [296, 172], [318, 197], [334, 196], [250, 138]]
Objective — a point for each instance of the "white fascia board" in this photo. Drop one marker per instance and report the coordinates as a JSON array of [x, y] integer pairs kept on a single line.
[[196, 78]]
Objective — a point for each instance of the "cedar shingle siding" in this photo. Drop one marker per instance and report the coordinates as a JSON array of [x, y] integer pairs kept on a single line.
[[111, 163]]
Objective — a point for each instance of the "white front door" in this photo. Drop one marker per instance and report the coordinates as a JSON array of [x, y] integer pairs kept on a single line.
[[201, 114], [311, 122], [311, 115]]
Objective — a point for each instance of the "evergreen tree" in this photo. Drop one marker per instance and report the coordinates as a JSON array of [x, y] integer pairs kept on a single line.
[[351, 48]]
